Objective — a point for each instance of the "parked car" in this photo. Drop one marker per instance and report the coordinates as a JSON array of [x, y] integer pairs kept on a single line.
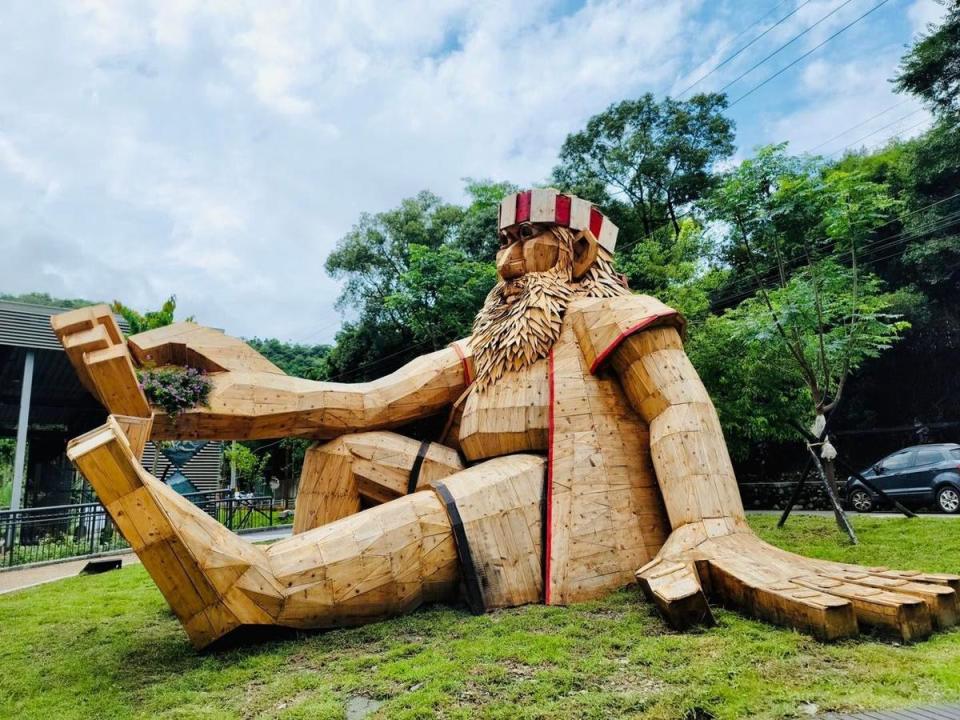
[[919, 475]]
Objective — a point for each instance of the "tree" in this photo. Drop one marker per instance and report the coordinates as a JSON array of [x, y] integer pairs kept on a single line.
[[250, 468], [643, 162], [816, 315], [415, 278], [931, 68], [41, 298], [149, 320], [305, 361]]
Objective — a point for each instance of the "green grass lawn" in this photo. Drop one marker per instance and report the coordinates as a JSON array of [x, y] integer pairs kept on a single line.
[[106, 646]]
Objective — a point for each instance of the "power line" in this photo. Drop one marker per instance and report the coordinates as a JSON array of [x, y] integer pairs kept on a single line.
[[758, 37], [809, 52], [854, 127], [786, 44], [883, 244], [896, 134]]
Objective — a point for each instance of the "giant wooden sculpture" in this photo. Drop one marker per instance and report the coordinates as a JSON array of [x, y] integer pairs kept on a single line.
[[580, 452]]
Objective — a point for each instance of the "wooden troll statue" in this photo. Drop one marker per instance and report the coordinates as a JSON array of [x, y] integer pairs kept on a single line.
[[580, 453]]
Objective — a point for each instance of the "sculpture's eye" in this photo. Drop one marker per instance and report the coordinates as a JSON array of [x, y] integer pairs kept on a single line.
[[526, 232]]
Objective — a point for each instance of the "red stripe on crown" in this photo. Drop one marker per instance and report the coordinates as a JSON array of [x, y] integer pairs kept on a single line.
[[596, 222], [523, 206], [562, 210]]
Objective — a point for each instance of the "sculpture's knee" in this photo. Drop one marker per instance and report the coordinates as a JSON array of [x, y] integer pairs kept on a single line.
[[342, 475], [374, 564], [496, 509], [328, 488]]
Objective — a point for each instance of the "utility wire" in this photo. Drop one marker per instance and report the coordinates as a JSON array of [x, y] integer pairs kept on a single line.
[[809, 52], [758, 37], [854, 127], [785, 45], [896, 134]]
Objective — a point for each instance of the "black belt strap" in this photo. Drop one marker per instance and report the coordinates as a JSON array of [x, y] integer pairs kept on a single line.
[[417, 464], [471, 580]]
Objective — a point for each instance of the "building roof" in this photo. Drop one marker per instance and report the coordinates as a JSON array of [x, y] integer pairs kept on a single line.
[[26, 325]]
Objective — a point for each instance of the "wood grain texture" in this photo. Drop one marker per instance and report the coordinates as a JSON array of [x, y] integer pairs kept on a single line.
[[374, 467], [637, 476], [711, 550]]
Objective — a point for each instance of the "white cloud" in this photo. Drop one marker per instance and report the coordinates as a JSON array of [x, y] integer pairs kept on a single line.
[[925, 12], [217, 150]]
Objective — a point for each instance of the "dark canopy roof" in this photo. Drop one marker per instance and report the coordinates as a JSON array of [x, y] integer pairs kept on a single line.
[[58, 398]]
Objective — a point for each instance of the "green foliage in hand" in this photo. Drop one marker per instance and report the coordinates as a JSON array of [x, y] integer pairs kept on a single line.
[[175, 389]]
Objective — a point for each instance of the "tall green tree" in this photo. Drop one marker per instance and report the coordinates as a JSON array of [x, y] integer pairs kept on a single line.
[[798, 230], [415, 277], [645, 162], [305, 361], [149, 320], [931, 68]]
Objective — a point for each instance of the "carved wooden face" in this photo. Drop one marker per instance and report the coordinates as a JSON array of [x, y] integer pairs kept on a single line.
[[530, 248]]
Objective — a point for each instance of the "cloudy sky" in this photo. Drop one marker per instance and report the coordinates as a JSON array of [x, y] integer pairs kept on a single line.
[[218, 150]]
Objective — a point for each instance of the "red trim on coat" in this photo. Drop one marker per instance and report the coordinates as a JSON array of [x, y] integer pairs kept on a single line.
[[523, 206], [463, 360], [548, 493], [623, 336]]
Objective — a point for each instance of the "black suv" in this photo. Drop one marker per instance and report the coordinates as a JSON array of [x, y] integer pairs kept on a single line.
[[918, 475]]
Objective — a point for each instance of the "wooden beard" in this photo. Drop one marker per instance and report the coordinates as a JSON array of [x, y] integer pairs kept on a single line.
[[508, 336]]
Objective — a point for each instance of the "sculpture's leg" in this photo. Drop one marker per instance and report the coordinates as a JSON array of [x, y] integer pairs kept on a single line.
[[370, 565], [375, 467]]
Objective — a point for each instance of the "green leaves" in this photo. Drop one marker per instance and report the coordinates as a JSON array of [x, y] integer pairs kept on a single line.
[[149, 320], [415, 278], [175, 389]]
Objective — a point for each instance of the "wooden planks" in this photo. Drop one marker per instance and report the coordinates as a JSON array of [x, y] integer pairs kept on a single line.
[[711, 549], [499, 506], [375, 467], [607, 517]]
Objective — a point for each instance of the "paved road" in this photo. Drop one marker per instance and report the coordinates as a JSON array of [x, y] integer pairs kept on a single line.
[[829, 513], [13, 580]]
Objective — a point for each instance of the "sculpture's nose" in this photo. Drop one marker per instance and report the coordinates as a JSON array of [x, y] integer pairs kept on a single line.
[[510, 263]]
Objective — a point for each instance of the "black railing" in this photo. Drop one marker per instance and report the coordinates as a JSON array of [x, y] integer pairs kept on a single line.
[[67, 531]]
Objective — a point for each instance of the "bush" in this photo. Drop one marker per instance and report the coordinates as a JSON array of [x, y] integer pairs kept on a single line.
[[175, 389]]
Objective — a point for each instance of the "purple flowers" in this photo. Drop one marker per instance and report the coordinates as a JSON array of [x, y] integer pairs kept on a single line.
[[175, 389]]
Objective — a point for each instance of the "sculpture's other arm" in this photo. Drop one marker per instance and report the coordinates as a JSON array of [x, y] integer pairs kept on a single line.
[[250, 397], [713, 550]]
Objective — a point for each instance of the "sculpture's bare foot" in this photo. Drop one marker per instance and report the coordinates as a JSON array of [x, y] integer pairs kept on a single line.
[[827, 599]]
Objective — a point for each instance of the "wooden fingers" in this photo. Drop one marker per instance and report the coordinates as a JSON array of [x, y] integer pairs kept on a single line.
[[674, 587]]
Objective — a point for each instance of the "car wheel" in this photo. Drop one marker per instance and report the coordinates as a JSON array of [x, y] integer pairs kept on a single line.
[[861, 501], [949, 499]]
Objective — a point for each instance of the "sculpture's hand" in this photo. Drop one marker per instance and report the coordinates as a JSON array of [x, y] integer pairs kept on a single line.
[[827, 599], [712, 551]]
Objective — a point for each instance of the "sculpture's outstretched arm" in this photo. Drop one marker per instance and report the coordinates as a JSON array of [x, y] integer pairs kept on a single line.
[[712, 550], [251, 398]]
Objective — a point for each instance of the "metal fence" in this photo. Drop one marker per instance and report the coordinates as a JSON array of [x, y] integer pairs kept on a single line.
[[66, 531]]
